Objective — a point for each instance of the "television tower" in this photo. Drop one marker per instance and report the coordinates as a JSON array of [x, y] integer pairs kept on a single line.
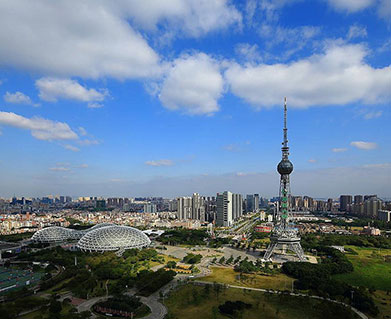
[[284, 234]]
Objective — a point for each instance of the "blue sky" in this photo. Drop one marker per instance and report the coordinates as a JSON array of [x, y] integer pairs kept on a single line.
[[166, 98]]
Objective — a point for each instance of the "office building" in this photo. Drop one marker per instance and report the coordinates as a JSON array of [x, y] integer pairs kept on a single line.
[[198, 207], [229, 208], [184, 208], [345, 202], [384, 215]]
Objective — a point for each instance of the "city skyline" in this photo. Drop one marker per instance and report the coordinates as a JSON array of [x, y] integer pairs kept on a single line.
[[188, 98]]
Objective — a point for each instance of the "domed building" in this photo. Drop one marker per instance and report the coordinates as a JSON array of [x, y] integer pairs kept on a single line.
[[113, 238], [54, 234]]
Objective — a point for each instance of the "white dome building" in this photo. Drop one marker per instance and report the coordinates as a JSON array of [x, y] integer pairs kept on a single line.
[[54, 234], [113, 238]]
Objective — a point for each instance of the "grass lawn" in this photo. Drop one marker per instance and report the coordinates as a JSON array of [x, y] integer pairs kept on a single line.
[[370, 269], [383, 302], [189, 302], [229, 276]]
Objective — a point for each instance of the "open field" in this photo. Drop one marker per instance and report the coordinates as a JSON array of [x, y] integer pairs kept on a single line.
[[371, 268], [190, 302], [229, 276]]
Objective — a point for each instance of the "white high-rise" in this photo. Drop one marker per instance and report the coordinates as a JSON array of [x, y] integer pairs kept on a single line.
[[229, 208], [198, 207], [185, 208]]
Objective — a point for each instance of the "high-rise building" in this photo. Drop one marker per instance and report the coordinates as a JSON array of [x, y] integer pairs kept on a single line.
[[384, 215], [330, 204], [358, 199], [198, 207], [184, 208], [372, 206], [252, 203], [256, 202], [150, 208], [229, 208], [249, 203], [345, 201]]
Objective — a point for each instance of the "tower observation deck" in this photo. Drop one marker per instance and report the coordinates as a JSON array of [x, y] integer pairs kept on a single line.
[[284, 235]]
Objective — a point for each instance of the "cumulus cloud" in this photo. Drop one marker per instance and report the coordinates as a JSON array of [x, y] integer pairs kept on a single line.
[[193, 84], [339, 149], [338, 76], [190, 17], [18, 98], [52, 89], [107, 45], [356, 31], [364, 145], [40, 128], [351, 5], [163, 162], [71, 148]]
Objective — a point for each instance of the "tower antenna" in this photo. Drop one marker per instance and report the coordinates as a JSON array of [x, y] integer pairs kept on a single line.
[[284, 234]]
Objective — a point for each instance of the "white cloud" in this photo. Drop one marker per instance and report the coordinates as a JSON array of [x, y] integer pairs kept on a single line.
[[190, 17], [87, 142], [248, 52], [72, 148], [52, 89], [108, 45], [373, 115], [40, 128], [94, 105], [364, 145], [278, 34], [351, 5], [83, 166], [356, 31], [82, 131], [338, 76], [18, 98], [163, 162], [384, 9], [231, 148], [59, 169], [90, 39], [339, 149], [193, 85]]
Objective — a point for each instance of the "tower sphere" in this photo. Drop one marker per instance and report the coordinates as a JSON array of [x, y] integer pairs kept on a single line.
[[285, 167]]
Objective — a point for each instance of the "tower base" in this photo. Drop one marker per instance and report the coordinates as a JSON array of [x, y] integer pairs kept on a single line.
[[285, 243]]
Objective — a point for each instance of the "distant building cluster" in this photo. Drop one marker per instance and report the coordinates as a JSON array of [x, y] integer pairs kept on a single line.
[[367, 206]]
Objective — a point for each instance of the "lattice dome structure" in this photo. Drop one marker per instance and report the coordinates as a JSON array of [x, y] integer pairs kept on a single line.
[[113, 238], [57, 234], [54, 234]]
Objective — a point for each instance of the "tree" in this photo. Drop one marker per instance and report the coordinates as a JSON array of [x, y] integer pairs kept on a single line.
[[222, 260], [55, 307], [171, 264]]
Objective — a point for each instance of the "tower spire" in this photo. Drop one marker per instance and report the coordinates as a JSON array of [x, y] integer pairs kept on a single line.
[[284, 233]]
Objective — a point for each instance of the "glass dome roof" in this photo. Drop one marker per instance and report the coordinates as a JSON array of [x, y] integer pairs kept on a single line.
[[113, 238]]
